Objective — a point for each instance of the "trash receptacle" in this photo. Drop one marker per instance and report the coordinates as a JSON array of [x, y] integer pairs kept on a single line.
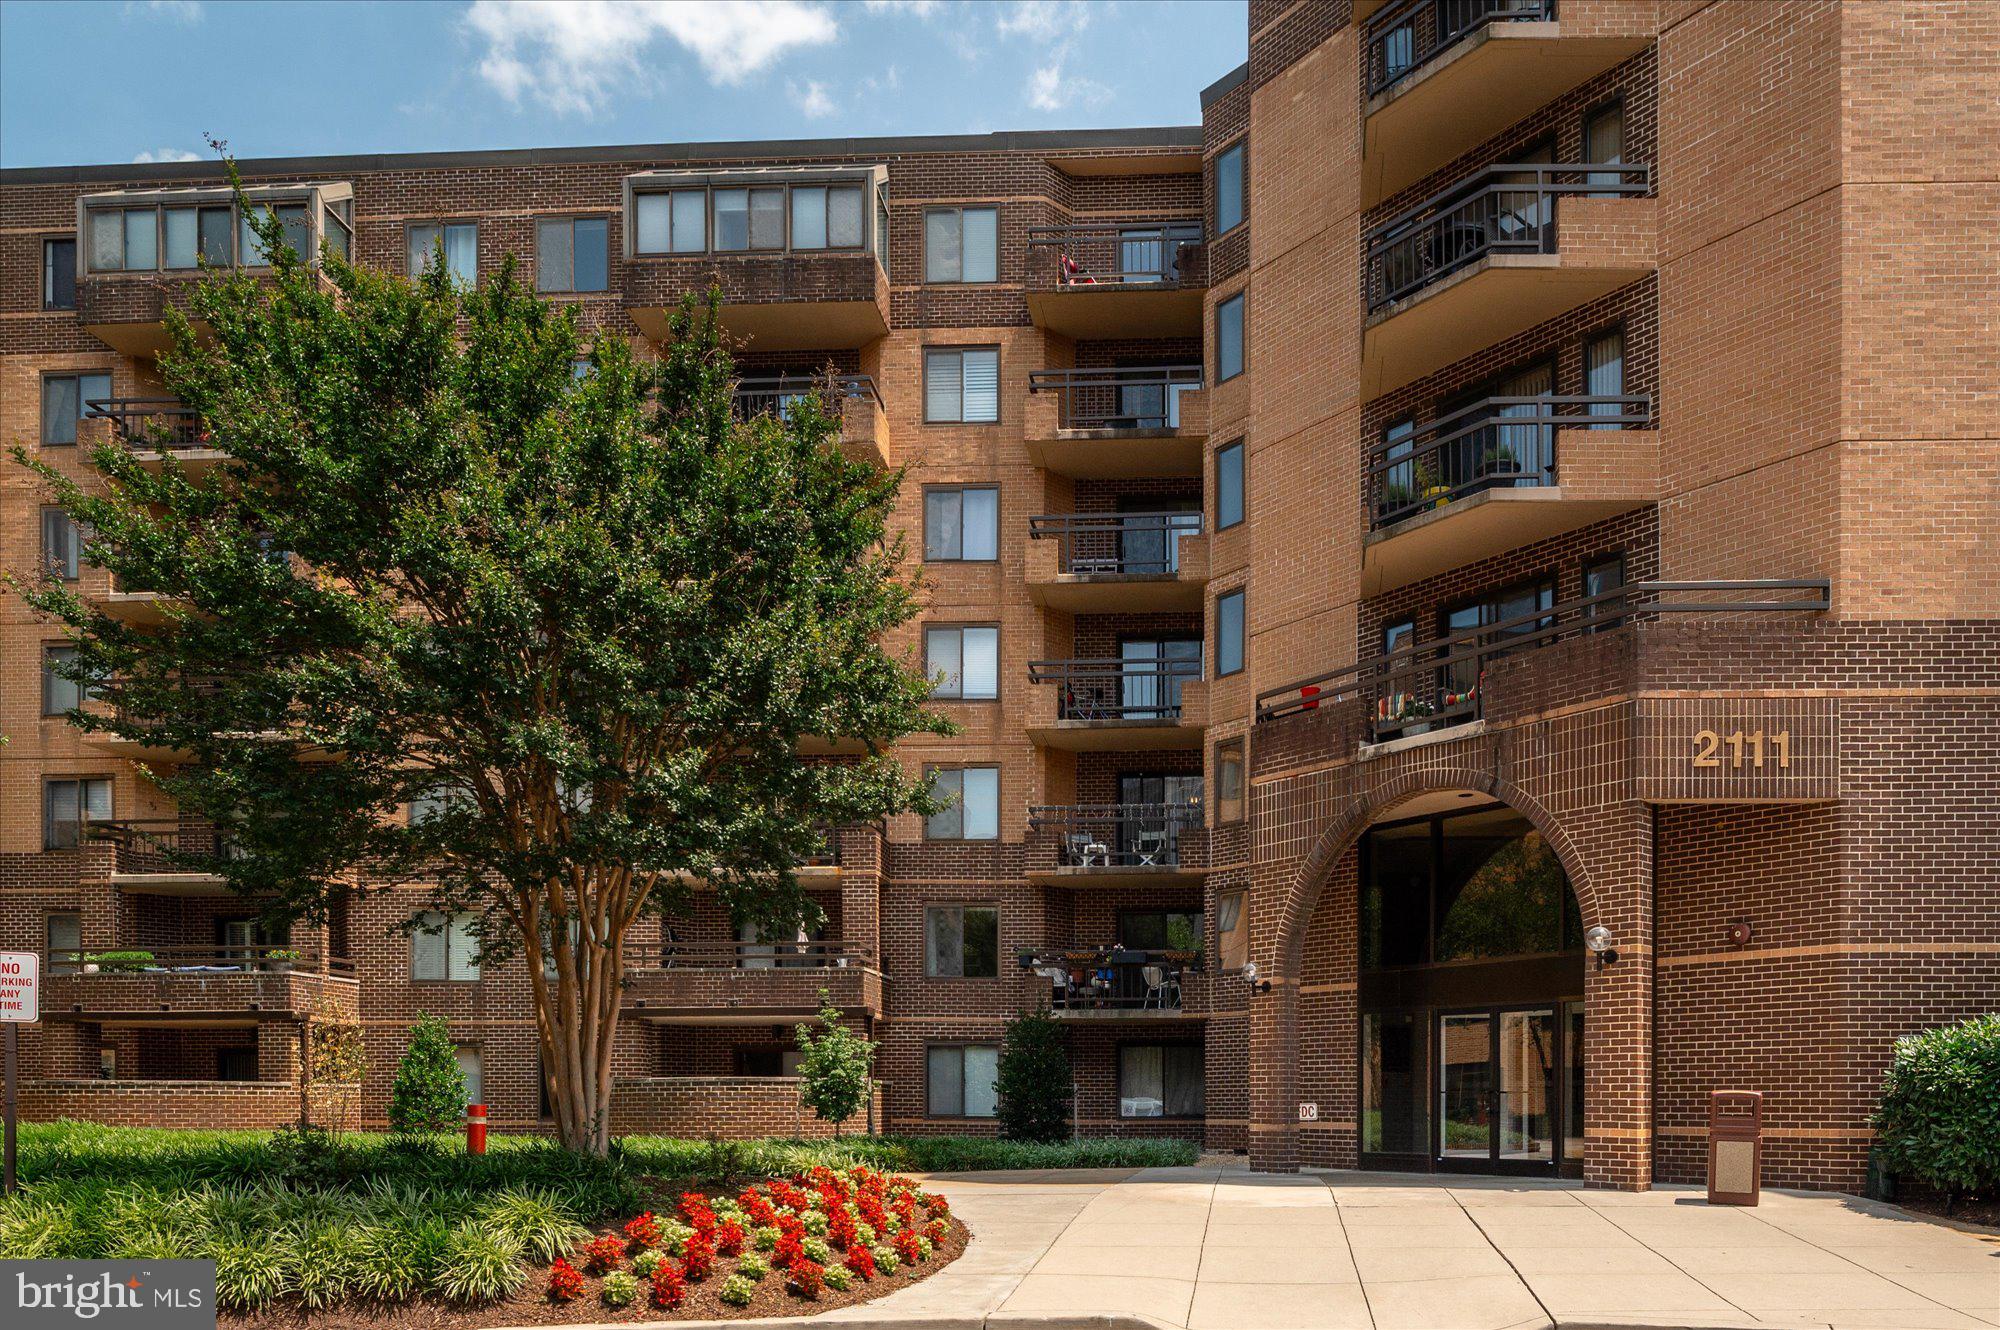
[[1735, 1146]]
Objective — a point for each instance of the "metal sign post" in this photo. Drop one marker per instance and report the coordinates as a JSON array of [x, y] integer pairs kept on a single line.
[[20, 1004]]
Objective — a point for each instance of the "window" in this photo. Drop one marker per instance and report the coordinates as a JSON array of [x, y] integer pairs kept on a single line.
[[60, 695], [964, 662], [1160, 1081], [572, 254], [62, 545], [70, 804], [1604, 373], [445, 947], [826, 217], [461, 249], [235, 1064], [962, 942], [962, 386], [59, 273], [66, 399], [962, 524], [469, 1069], [749, 219], [962, 245], [63, 936], [1229, 485], [1229, 338], [292, 216], [1161, 930], [1229, 782], [1229, 189], [1601, 576], [429, 806], [1232, 930], [1229, 633], [963, 1081], [973, 810], [197, 235], [672, 222], [1604, 144]]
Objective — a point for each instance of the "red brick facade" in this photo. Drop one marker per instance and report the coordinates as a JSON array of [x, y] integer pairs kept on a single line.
[[1798, 281]]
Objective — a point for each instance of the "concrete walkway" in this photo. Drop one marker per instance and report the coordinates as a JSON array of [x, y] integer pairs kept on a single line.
[[1222, 1249]]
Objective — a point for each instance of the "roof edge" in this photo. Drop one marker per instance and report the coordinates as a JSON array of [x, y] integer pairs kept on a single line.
[[1226, 84], [1024, 140]]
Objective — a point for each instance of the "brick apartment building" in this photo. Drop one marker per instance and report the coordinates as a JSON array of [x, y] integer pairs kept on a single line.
[[1495, 529]]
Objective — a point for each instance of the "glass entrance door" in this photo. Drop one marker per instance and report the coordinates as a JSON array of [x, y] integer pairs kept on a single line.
[[1497, 1090]]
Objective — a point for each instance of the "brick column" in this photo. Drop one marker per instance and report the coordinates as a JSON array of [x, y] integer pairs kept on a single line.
[[1618, 1007], [278, 1051], [1274, 1071], [861, 888]]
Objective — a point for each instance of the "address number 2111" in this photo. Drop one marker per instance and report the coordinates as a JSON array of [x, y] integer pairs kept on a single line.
[[1748, 749]]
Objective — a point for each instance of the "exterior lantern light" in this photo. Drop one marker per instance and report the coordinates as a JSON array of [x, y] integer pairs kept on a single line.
[[1597, 939], [1250, 977]]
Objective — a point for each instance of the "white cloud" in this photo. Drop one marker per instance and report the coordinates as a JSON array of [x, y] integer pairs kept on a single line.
[[813, 100], [167, 155], [1053, 24], [572, 56], [1051, 86], [176, 11], [1043, 20], [915, 8]]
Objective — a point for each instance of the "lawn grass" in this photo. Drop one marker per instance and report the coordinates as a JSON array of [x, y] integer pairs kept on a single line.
[[302, 1216]]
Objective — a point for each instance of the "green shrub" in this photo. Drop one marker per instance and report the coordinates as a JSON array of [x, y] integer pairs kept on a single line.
[[428, 1093], [121, 962], [478, 1266], [886, 1259], [834, 1066], [1939, 1119], [737, 1290], [1034, 1082], [644, 1263]]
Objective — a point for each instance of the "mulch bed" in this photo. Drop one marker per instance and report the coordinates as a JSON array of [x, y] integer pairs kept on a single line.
[[531, 1305], [1985, 1213]]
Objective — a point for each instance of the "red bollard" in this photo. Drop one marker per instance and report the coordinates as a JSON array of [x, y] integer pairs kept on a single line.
[[475, 1129]]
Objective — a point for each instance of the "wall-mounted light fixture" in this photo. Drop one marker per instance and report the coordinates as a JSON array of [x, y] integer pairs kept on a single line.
[[1597, 940], [1250, 977], [1739, 935]]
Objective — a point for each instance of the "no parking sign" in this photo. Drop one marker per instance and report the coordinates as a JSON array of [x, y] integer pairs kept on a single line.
[[20, 1004]]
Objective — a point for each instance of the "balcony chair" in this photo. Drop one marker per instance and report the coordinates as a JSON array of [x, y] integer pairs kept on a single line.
[[1149, 847], [1086, 851]]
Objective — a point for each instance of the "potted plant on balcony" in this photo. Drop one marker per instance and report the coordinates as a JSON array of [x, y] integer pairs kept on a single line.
[[118, 962], [1432, 492], [281, 960]]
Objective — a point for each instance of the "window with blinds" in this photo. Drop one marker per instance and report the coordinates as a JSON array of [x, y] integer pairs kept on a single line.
[[445, 947], [963, 1081], [963, 663], [962, 385], [962, 245]]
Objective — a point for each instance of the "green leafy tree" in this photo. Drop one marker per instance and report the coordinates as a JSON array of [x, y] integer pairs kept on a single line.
[[1034, 1079], [428, 1093], [586, 619], [834, 1066]]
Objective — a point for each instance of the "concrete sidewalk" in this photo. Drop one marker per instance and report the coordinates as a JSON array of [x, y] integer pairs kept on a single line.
[[1222, 1249]]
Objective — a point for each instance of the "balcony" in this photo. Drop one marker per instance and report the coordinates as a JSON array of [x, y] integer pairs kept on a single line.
[[1432, 687], [195, 985], [1119, 562], [154, 429], [1092, 845], [141, 250], [1118, 983], [164, 856], [1117, 705], [1501, 473], [1117, 423], [1507, 248], [749, 983], [796, 252], [1440, 77], [1117, 279], [864, 425]]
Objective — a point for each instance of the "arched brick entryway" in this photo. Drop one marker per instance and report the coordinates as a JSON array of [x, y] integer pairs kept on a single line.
[[1307, 820]]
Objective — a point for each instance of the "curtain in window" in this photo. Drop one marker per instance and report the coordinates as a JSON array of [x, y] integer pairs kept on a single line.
[[980, 518], [944, 536], [944, 941], [981, 245], [982, 1082], [944, 661], [1604, 374], [461, 252], [943, 255], [946, 1077], [1186, 1095]]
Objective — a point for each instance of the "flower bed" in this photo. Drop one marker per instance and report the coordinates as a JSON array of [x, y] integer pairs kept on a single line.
[[787, 1247]]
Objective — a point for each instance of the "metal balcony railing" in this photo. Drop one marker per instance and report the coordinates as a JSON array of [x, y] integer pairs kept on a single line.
[[774, 394], [1508, 208], [139, 959], [164, 845], [1116, 835], [1110, 979], [748, 956], [1142, 397], [1122, 254], [1116, 544], [1494, 443], [1147, 689], [1404, 37], [146, 424], [1441, 682]]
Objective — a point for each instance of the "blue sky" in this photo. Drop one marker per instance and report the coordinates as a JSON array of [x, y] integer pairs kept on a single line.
[[108, 81]]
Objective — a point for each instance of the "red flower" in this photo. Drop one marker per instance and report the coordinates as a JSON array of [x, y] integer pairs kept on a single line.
[[697, 1258], [937, 1230], [643, 1232], [791, 1226], [754, 1205], [861, 1261], [565, 1281], [669, 1285], [935, 1203], [789, 1251], [907, 1248], [602, 1254], [807, 1277], [869, 1207], [695, 1207], [729, 1238]]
